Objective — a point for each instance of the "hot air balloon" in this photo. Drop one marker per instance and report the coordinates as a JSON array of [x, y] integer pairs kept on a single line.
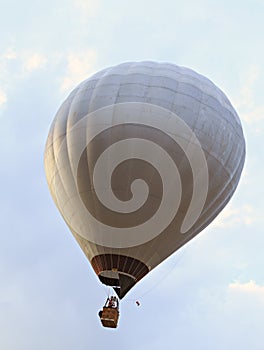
[[139, 159]]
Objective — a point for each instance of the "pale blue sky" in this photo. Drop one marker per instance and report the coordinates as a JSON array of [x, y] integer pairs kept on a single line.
[[212, 296]]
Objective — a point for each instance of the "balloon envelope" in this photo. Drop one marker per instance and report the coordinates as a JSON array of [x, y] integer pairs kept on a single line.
[[140, 158]]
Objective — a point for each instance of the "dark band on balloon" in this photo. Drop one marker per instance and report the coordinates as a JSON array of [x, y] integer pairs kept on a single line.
[[119, 263]]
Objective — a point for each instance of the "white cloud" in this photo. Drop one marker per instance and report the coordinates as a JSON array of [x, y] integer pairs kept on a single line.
[[5, 58], [249, 110], [254, 115], [34, 61], [9, 54], [79, 67], [88, 7], [15, 65], [232, 216], [247, 96], [3, 97], [25, 61], [248, 288], [246, 295], [193, 11]]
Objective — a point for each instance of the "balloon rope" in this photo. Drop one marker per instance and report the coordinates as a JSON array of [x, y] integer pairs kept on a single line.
[[160, 280], [107, 290]]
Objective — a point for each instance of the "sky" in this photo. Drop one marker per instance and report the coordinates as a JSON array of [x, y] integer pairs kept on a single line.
[[208, 295]]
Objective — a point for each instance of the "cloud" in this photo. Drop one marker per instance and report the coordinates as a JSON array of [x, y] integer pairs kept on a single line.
[[3, 97], [5, 59], [25, 61], [248, 288], [254, 115], [79, 67], [193, 11], [247, 96], [34, 61], [88, 7], [16, 65], [9, 54], [250, 111], [232, 216]]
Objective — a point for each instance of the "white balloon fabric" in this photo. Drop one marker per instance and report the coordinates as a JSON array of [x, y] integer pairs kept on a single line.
[[139, 159]]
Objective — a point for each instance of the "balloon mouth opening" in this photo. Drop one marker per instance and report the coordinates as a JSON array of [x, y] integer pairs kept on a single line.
[[121, 285], [119, 271]]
